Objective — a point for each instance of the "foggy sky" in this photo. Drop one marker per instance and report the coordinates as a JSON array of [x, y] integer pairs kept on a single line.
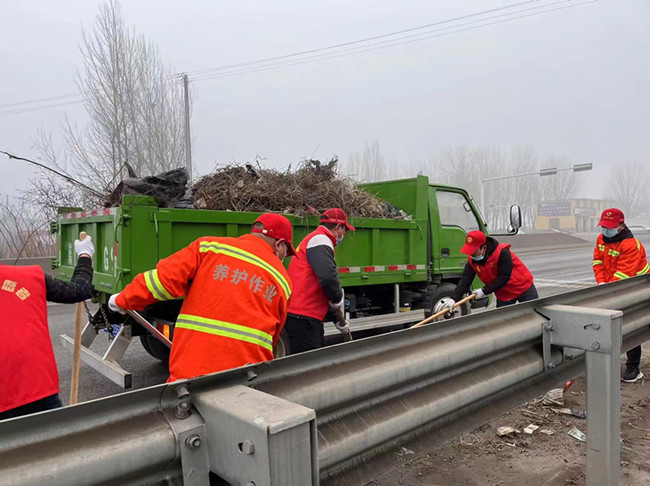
[[569, 83]]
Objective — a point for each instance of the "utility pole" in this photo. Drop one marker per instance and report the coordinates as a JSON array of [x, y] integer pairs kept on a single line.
[[188, 139]]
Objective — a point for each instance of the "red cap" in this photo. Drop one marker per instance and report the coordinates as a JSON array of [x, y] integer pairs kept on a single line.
[[611, 218], [473, 241], [278, 227], [336, 216]]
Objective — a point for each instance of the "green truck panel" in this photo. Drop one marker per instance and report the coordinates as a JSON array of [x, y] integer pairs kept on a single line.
[[132, 238]]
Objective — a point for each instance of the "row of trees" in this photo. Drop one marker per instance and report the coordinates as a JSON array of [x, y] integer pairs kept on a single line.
[[466, 167], [135, 125]]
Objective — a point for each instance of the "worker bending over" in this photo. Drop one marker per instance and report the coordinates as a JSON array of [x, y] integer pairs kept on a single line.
[[236, 292], [502, 272]]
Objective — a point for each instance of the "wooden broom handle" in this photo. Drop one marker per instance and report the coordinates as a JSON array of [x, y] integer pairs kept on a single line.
[[443, 312]]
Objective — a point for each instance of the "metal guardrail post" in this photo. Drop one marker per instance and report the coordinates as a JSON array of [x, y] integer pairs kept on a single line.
[[598, 332], [257, 439]]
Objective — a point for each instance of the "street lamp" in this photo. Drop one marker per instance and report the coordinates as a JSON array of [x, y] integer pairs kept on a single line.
[[541, 173]]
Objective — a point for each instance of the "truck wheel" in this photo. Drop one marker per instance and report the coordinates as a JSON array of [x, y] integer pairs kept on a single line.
[[282, 348], [155, 348], [435, 293]]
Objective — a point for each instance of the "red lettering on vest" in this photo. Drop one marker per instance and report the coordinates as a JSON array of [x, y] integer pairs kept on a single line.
[[27, 369]]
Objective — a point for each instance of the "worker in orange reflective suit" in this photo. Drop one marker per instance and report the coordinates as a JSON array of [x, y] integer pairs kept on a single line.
[[619, 255], [236, 294]]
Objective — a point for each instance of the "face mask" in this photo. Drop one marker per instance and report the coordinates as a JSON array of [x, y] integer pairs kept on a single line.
[[609, 233], [339, 240], [478, 258]]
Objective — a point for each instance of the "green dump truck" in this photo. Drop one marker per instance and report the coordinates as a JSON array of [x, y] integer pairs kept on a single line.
[[393, 271]]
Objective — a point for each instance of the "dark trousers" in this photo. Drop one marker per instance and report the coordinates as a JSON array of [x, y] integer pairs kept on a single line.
[[634, 357], [529, 294], [305, 333], [47, 403]]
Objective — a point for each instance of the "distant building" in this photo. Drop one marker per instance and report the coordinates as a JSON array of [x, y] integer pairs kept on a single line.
[[572, 215]]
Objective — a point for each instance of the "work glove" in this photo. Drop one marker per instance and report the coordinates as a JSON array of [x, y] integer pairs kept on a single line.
[[84, 246], [342, 326], [479, 294], [339, 306], [113, 306], [445, 304]]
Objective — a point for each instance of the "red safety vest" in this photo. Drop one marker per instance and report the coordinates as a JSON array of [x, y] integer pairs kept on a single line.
[[236, 292], [520, 280], [310, 300], [27, 365]]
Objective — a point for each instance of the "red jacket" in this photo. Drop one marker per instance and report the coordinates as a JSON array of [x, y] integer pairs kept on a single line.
[[619, 260], [520, 279], [236, 292], [311, 300], [27, 366]]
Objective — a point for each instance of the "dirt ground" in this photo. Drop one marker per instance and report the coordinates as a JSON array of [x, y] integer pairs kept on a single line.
[[482, 458]]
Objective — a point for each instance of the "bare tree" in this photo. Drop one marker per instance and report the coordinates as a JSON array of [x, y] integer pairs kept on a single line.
[[468, 167], [630, 188], [23, 231], [135, 108], [369, 165], [564, 185]]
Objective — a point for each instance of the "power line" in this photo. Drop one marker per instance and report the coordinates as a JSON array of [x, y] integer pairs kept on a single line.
[[334, 51], [386, 43], [37, 108], [56, 105], [359, 41], [393, 42], [40, 100]]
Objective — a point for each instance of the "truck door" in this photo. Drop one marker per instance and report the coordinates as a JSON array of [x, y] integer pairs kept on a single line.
[[452, 217]]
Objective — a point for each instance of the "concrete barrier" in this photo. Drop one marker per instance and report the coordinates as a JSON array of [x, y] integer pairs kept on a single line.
[[44, 262], [544, 241]]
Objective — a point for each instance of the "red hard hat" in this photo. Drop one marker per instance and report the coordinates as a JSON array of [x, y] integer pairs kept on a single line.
[[336, 216], [278, 227]]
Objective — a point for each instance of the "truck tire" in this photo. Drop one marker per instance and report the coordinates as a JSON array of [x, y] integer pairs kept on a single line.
[[435, 293], [282, 348], [155, 348]]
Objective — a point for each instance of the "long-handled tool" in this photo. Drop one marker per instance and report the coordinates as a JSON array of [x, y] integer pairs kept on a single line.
[[443, 312], [76, 360], [347, 334]]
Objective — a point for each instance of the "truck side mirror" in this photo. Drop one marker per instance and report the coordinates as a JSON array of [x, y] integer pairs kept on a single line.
[[515, 217]]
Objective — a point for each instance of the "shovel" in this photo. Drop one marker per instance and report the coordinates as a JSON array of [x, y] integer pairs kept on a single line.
[[443, 312]]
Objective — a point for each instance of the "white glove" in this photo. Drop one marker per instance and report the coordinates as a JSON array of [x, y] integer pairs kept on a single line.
[[446, 304], [84, 246], [602, 283], [113, 306], [339, 306], [479, 294], [342, 326]]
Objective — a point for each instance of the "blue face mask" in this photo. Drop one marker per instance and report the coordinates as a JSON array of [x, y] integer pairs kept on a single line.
[[609, 233], [478, 258], [339, 240]]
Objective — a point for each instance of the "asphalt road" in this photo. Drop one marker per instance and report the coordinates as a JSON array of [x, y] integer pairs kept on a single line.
[[555, 271]]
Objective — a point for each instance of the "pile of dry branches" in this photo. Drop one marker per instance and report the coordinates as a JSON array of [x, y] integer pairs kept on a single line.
[[311, 189]]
